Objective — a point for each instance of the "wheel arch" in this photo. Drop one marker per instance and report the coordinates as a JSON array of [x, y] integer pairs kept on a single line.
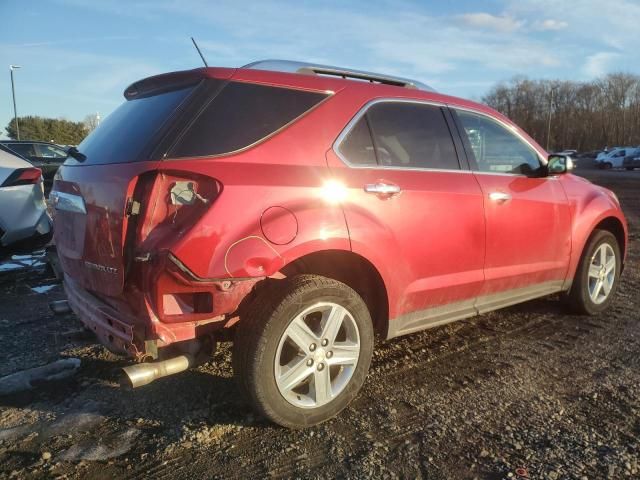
[[353, 270], [614, 225]]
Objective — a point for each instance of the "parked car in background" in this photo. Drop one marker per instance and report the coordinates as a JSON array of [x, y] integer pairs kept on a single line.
[[573, 154], [297, 210], [615, 157], [24, 222], [631, 162], [570, 153], [46, 156]]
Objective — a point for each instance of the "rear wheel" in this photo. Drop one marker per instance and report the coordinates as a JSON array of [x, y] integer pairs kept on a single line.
[[597, 276], [304, 352]]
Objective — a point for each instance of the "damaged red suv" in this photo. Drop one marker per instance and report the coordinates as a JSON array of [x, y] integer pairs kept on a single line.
[[299, 210]]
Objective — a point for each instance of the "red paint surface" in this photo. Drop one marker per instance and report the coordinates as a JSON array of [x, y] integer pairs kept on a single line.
[[440, 240]]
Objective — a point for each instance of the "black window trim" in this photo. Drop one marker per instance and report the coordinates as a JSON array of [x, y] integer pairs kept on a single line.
[[464, 167], [166, 152], [465, 142]]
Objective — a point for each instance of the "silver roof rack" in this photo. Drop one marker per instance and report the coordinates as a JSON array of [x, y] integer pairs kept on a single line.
[[347, 73]]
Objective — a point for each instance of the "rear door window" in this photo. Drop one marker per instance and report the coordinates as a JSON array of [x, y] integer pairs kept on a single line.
[[412, 135], [240, 115], [357, 146]]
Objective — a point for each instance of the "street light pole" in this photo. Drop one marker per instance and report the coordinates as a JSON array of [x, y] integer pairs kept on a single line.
[[13, 93], [549, 122]]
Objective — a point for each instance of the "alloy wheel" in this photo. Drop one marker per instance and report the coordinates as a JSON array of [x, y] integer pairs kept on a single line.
[[602, 273], [317, 355]]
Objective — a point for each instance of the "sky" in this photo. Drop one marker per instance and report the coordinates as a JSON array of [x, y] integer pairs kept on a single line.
[[78, 56]]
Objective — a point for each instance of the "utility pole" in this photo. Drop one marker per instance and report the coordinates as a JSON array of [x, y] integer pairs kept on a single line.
[[13, 93], [549, 122]]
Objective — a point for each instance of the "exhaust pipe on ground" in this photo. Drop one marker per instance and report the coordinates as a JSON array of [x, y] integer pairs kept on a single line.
[[60, 307], [145, 373]]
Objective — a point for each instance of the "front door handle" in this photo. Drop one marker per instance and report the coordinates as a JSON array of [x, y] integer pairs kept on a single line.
[[385, 189], [499, 197]]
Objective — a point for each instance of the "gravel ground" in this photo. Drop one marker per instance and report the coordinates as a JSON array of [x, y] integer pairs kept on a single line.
[[527, 392]]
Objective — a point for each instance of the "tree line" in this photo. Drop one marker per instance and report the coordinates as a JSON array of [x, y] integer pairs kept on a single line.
[[584, 115], [56, 130]]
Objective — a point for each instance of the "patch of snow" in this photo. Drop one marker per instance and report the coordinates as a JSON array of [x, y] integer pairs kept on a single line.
[[103, 448], [8, 267], [42, 288]]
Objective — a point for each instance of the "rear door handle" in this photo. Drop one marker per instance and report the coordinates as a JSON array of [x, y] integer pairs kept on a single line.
[[499, 197], [380, 188]]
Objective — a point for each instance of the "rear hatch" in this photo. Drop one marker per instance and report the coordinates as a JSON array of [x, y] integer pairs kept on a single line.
[[94, 191]]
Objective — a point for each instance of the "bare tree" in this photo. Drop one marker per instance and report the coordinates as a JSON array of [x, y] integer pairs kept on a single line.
[[583, 115], [90, 122]]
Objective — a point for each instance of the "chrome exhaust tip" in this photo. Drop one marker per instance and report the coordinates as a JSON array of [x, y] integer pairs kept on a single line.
[[144, 373]]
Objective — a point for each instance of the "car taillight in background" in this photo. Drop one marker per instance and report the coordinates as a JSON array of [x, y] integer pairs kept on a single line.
[[23, 176]]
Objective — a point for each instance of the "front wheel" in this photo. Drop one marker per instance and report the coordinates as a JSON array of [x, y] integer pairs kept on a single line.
[[597, 276], [304, 349]]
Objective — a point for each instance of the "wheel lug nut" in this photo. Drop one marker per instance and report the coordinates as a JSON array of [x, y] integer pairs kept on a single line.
[[310, 362], [329, 354], [325, 342], [312, 347], [320, 366]]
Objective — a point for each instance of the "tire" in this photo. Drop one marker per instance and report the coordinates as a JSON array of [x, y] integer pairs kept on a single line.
[[580, 299], [264, 350], [607, 166]]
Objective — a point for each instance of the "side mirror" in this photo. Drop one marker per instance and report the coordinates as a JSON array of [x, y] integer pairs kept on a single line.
[[559, 164]]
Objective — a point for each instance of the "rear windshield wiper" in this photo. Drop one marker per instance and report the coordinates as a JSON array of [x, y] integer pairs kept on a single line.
[[75, 153]]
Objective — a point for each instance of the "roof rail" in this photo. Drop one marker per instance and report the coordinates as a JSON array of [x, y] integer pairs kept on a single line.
[[347, 73]]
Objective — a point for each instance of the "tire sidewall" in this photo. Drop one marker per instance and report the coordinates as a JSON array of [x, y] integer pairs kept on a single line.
[[274, 404]]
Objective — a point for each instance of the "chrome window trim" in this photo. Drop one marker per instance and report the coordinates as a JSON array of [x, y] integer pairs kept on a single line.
[[360, 113]]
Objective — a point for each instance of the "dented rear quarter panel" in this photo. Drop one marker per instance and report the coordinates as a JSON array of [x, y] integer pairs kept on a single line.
[[229, 240]]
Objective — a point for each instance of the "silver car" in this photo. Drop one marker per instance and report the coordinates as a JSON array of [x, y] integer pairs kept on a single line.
[[24, 221]]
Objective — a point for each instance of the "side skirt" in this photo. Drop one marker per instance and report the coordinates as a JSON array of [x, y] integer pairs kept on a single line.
[[432, 317]]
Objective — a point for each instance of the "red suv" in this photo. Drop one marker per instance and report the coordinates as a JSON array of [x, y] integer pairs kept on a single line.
[[299, 210]]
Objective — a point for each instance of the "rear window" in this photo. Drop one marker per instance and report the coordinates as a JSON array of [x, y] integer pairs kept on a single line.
[[240, 115], [127, 132]]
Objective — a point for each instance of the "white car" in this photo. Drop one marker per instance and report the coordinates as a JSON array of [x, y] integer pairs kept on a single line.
[[614, 158], [25, 224]]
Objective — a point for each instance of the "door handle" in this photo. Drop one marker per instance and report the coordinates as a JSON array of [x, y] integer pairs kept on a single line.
[[499, 197], [380, 188]]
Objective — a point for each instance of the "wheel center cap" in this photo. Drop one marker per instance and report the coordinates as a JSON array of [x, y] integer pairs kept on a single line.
[[319, 355]]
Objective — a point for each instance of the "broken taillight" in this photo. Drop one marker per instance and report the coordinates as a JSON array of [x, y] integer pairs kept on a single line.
[[173, 202], [23, 176]]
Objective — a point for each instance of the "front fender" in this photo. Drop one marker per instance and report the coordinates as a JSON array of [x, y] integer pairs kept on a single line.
[[590, 206]]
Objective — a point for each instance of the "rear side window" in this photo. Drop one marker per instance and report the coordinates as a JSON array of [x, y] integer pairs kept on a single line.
[[240, 115], [24, 149], [125, 134]]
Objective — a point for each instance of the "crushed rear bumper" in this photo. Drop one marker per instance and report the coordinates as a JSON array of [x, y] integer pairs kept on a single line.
[[114, 329]]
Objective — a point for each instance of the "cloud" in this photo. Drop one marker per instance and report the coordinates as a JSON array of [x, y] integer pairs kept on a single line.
[[502, 23], [550, 24], [600, 63]]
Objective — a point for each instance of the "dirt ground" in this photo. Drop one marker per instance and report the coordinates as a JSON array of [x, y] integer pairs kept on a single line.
[[527, 392]]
